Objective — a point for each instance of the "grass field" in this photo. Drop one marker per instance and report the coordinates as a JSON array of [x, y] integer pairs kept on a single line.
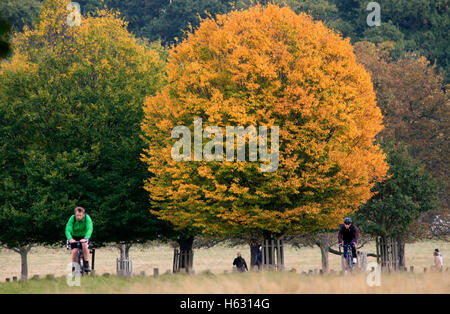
[[261, 282], [54, 261]]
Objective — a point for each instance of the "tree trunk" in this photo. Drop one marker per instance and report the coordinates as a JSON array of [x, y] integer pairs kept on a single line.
[[124, 250], [127, 250], [186, 254], [121, 251], [324, 248], [401, 253], [254, 250], [23, 251]]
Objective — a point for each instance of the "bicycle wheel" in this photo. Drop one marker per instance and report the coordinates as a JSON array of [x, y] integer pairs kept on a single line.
[[349, 259], [80, 262]]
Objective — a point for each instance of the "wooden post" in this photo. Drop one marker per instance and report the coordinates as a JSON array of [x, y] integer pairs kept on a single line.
[[363, 260], [176, 257], [278, 254], [281, 253], [93, 261], [272, 252], [264, 254], [378, 251]]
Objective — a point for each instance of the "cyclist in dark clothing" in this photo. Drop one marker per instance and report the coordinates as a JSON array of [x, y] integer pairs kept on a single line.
[[349, 234], [240, 263]]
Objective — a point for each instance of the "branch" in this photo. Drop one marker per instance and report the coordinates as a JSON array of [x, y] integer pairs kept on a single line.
[[13, 249], [340, 253]]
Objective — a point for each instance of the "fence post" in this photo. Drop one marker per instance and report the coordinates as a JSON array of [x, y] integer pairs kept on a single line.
[[124, 267], [363, 260]]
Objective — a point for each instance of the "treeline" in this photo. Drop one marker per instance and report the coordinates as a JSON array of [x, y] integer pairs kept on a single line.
[[409, 30], [419, 26], [72, 131]]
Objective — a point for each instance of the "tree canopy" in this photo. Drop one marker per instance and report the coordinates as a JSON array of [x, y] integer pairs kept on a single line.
[[266, 66], [408, 191], [71, 107]]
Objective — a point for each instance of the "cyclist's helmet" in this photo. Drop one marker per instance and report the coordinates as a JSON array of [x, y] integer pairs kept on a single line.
[[347, 221]]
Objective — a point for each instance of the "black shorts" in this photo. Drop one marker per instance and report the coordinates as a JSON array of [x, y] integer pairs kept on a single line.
[[74, 245]]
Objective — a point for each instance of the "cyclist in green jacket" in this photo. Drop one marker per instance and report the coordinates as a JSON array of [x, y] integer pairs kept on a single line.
[[79, 228]]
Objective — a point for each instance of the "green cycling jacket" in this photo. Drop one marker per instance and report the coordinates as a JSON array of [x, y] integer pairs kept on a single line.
[[81, 228]]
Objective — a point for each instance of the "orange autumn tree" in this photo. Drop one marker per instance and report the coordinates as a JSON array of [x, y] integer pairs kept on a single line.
[[265, 66]]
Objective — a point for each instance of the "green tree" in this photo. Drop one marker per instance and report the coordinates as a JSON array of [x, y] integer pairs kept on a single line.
[[19, 12], [5, 48], [399, 200], [71, 107]]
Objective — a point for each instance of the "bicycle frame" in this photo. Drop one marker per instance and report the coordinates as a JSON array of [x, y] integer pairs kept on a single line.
[[349, 259], [80, 257]]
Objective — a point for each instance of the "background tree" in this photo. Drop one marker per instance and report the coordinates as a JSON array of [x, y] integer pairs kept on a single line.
[[399, 200], [71, 107], [414, 102], [414, 25], [260, 71], [20, 12], [5, 48]]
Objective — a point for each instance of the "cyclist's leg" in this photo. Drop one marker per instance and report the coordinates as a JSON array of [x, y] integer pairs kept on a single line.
[[86, 251], [74, 255], [354, 253], [74, 248]]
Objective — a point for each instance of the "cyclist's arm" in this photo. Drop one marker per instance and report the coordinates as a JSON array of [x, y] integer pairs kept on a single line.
[[69, 228], [89, 227], [340, 235], [355, 236]]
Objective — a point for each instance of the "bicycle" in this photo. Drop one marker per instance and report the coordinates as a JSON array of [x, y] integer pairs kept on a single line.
[[80, 257], [349, 259]]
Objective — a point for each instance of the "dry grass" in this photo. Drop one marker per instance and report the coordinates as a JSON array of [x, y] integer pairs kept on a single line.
[[44, 261], [249, 283]]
